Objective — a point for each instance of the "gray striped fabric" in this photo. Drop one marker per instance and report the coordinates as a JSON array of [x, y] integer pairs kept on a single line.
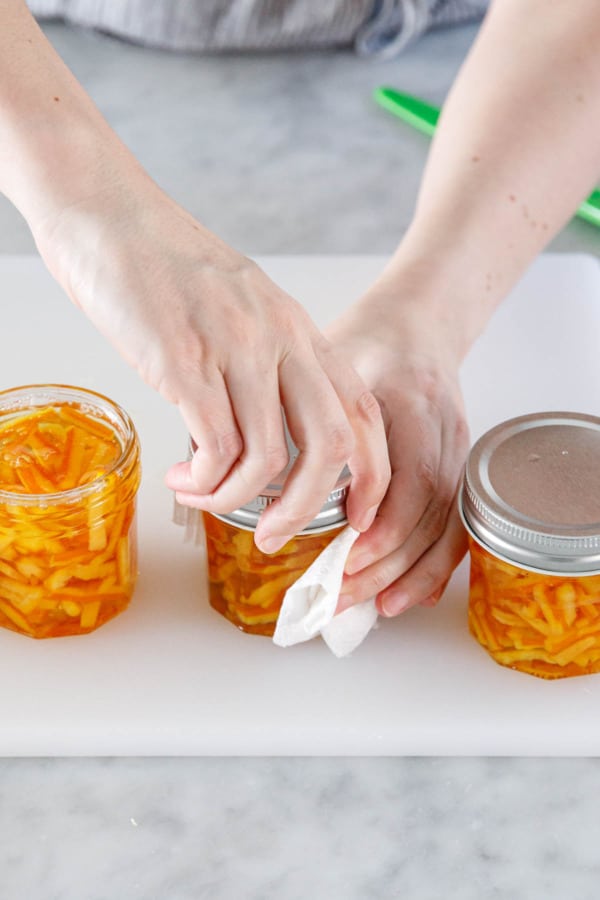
[[393, 24], [374, 27]]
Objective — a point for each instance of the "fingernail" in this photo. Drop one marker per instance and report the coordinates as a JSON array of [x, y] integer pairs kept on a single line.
[[178, 478], [192, 500], [273, 542], [394, 604], [366, 520]]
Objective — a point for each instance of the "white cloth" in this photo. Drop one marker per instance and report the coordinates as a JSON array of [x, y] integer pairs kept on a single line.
[[309, 604]]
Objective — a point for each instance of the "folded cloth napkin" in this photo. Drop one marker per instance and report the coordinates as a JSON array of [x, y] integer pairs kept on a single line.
[[309, 604]]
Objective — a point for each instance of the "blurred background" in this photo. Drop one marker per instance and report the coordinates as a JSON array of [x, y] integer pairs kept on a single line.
[[282, 152]]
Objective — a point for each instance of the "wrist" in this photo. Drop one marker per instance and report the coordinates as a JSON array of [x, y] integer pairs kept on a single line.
[[412, 306], [437, 289], [114, 216], [78, 164]]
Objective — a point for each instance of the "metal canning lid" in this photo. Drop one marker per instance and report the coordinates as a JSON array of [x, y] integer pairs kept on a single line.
[[531, 492], [331, 514]]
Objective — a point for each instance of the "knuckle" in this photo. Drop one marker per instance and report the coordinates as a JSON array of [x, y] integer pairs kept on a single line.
[[462, 436], [289, 315], [248, 269], [374, 483], [339, 443], [368, 408], [157, 378], [183, 380], [427, 475], [434, 519], [243, 334], [430, 386], [382, 475], [194, 355], [381, 544], [275, 458], [435, 597], [380, 579], [229, 445], [431, 577]]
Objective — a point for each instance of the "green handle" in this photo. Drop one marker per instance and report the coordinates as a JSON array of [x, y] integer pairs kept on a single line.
[[418, 113], [424, 117], [590, 208]]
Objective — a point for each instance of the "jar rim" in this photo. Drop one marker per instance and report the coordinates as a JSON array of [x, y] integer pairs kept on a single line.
[[331, 515], [229, 519], [58, 393], [558, 570]]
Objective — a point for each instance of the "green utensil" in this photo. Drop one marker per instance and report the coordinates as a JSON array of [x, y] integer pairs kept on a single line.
[[590, 208], [424, 117]]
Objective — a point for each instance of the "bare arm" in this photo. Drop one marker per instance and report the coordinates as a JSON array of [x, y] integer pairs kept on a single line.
[[202, 324], [516, 150], [55, 147]]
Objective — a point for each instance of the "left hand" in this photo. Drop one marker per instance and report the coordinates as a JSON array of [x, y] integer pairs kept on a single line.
[[409, 552]]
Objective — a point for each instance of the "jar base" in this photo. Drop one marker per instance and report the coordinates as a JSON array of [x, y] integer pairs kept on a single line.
[[537, 667], [266, 629], [61, 626]]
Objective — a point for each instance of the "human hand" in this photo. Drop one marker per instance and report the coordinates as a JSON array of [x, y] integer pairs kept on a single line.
[[408, 554], [206, 328]]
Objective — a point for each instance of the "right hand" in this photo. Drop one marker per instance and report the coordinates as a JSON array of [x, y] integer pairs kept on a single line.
[[408, 356], [207, 328]]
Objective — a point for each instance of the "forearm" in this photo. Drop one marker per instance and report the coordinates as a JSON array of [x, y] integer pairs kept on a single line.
[[55, 147], [517, 149]]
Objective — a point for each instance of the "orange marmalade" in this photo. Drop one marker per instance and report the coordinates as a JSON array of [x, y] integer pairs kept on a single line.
[[69, 473], [545, 625], [247, 586], [531, 503]]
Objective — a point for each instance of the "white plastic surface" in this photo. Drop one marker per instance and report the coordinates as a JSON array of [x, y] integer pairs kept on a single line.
[[170, 676]]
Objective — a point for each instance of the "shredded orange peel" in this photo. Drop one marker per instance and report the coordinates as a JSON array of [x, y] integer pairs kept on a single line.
[[67, 563], [245, 585], [545, 625]]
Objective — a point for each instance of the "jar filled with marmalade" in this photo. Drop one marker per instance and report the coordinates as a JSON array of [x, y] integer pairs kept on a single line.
[[69, 475], [531, 504], [248, 586]]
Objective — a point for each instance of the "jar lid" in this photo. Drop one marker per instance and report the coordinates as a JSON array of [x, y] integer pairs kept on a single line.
[[331, 514], [531, 492]]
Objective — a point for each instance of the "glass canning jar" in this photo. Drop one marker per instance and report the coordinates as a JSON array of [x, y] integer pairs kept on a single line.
[[247, 586], [531, 504], [69, 475]]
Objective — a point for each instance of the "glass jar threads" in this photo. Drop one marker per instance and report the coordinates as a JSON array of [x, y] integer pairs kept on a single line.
[[531, 504], [247, 586], [69, 475]]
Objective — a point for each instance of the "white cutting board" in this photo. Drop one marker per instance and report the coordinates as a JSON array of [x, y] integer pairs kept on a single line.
[[170, 676]]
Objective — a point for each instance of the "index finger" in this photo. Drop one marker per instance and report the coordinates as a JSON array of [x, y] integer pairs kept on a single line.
[[369, 461], [321, 432]]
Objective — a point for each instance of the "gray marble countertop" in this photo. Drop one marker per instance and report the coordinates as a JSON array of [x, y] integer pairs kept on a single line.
[[288, 154]]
